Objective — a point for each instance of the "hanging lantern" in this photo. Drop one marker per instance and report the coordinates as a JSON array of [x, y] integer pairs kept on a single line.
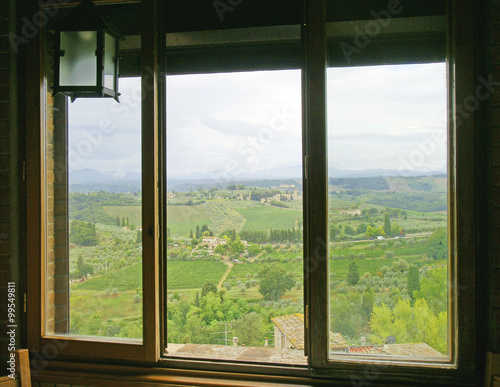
[[86, 55]]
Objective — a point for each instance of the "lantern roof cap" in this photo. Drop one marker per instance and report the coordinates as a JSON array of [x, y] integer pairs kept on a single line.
[[86, 17]]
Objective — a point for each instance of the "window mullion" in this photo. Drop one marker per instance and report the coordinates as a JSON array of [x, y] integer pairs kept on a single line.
[[316, 183], [150, 162]]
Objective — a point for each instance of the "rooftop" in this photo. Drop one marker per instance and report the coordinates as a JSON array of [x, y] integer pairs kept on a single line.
[[292, 325]]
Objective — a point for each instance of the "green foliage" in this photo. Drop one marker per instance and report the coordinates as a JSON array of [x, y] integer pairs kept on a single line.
[[274, 282], [250, 329], [220, 249], [375, 183], [82, 268], [437, 245], [434, 289], [207, 288], [82, 233], [413, 280], [90, 207], [414, 201], [237, 247], [410, 324], [353, 274], [253, 249], [387, 225]]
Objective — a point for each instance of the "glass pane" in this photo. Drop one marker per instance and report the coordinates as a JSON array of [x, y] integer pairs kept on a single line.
[[234, 216], [79, 63], [109, 61], [387, 152], [93, 212]]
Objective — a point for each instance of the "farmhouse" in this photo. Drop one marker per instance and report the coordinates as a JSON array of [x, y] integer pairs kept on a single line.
[[213, 242]]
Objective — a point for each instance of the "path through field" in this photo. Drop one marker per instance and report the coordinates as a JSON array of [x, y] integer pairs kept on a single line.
[[224, 276]]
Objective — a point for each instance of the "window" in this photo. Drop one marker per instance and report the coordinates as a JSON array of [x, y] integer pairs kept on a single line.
[[203, 190]]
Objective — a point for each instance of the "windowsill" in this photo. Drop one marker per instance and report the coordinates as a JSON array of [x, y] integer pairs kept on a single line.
[[244, 354]]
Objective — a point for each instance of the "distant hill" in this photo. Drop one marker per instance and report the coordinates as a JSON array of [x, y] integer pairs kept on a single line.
[[89, 180]]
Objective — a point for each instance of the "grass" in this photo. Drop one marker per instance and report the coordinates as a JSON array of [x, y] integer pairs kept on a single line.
[[129, 278], [193, 274], [263, 218], [181, 275], [182, 220], [134, 213]]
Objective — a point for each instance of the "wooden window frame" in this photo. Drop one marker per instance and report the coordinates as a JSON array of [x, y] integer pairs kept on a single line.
[[462, 366], [461, 224], [39, 340]]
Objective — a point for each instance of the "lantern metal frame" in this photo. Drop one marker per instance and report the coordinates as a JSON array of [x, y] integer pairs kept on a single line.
[[86, 17]]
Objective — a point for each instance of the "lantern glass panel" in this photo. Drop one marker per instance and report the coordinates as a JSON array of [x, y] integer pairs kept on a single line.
[[78, 62], [109, 61]]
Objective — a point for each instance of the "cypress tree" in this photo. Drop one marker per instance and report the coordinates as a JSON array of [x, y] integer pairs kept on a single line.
[[353, 274], [387, 225], [413, 280]]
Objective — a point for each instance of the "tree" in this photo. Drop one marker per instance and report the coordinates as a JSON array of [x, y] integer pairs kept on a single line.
[[353, 275], [219, 249], [237, 246], [253, 249], [191, 234], [207, 288], [387, 224], [437, 245], [250, 330], [198, 234], [410, 324], [123, 221], [413, 281], [274, 282], [434, 288], [118, 220]]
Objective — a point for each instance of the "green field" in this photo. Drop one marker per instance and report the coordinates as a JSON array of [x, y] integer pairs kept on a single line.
[[181, 275], [193, 274], [263, 218], [134, 213], [184, 219], [129, 278]]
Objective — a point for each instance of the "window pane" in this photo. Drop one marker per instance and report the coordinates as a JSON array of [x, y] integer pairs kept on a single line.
[[234, 216], [79, 62], [93, 214], [387, 151], [109, 61]]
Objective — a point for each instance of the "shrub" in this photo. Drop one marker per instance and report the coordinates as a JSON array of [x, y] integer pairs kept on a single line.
[[361, 256], [389, 254], [384, 269]]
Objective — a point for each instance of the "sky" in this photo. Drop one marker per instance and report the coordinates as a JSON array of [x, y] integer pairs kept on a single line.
[[247, 125]]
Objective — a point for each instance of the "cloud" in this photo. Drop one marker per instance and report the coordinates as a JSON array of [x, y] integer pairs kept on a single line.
[[234, 121]]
